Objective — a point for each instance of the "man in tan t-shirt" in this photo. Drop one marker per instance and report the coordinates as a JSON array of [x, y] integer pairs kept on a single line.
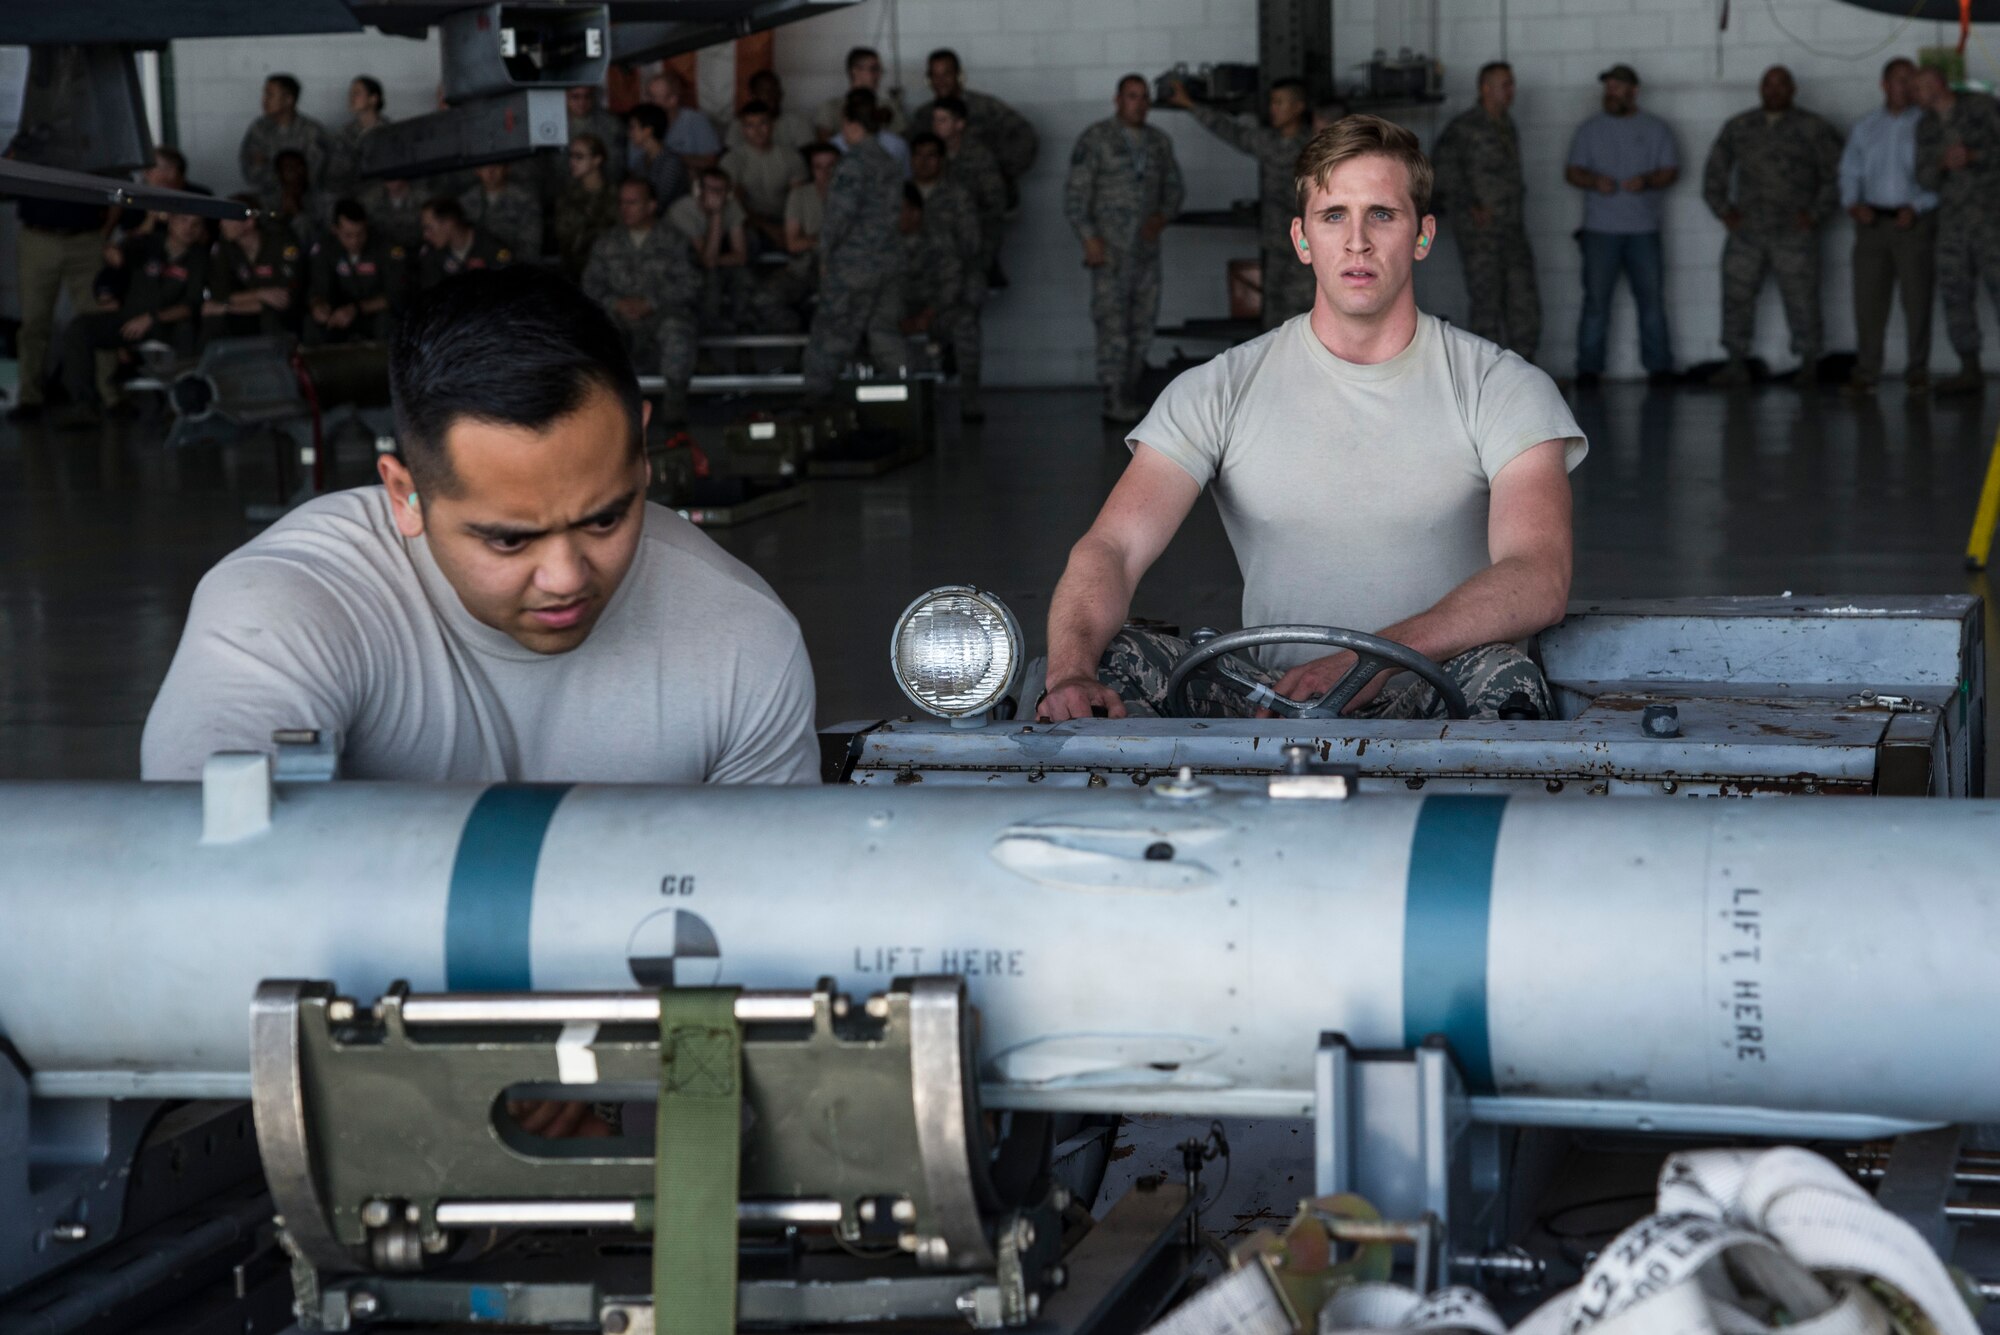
[[1375, 469], [506, 606]]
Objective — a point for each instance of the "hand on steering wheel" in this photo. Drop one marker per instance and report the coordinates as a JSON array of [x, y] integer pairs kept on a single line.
[[1372, 653]]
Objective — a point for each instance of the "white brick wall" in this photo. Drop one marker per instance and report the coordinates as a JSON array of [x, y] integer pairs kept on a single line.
[[1059, 60]]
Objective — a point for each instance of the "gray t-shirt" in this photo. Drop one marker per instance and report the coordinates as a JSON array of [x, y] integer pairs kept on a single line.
[[331, 619], [1355, 495], [1622, 147]]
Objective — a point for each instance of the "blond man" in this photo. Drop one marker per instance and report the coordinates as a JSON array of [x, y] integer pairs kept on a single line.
[[1375, 469]]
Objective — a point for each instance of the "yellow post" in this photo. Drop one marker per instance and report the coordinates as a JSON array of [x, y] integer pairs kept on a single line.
[[1980, 545]]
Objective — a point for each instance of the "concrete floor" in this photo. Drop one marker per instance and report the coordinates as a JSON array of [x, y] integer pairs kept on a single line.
[[1686, 491]]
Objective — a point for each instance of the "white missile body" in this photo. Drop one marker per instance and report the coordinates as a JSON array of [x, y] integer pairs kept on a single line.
[[1798, 967]]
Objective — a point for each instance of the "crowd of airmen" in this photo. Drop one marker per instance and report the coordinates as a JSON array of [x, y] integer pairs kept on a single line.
[[859, 224], [864, 226], [1919, 176]]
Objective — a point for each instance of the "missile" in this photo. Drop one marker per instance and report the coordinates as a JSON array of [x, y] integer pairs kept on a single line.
[[1788, 967]]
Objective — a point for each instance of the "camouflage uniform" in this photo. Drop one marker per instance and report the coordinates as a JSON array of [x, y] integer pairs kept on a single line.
[[1118, 177], [1478, 162], [860, 285], [659, 268], [265, 139], [486, 252], [581, 217], [1005, 132], [976, 171], [1139, 663], [1968, 236], [950, 218], [279, 263], [1288, 284], [932, 275], [609, 129], [343, 159], [339, 279], [401, 220], [513, 217], [1784, 165]]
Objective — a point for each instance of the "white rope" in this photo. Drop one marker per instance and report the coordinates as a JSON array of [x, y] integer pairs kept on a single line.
[[1746, 1242]]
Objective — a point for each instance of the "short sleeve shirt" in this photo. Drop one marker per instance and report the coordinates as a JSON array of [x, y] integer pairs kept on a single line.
[[688, 217], [1622, 147], [1355, 495], [332, 619]]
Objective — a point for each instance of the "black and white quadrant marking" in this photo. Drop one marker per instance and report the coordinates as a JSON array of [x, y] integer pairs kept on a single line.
[[674, 948]]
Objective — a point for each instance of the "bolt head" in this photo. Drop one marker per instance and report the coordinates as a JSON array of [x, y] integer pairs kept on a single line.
[[878, 1007], [340, 1010], [363, 1305], [616, 1321], [904, 1211], [866, 1210], [375, 1214]]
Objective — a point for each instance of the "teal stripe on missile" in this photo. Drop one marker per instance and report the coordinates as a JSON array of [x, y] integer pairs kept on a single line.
[[491, 909], [1447, 905]]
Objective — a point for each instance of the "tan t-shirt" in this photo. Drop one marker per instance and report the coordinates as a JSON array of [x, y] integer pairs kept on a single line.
[[687, 214], [1355, 495], [331, 619], [766, 178], [804, 207]]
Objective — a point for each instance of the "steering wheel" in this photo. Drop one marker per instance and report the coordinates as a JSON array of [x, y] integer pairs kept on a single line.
[[1372, 654]]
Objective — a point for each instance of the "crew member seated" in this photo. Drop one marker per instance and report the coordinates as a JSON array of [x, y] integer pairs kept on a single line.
[[714, 224], [452, 245], [253, 279], [507, 210], [506, 606], [358, 281], [642, 272], [1375, 468], [162, 305]]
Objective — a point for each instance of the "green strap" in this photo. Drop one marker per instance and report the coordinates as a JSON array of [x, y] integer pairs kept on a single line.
[[696, 1164]]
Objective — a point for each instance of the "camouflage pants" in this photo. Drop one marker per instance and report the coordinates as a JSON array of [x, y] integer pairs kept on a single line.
[[1502, 303], [1139, 663], [1288, 287], [677, 339], [1792, 258], [848, 313], [1124, 305], [1968, 249], [957, 327]]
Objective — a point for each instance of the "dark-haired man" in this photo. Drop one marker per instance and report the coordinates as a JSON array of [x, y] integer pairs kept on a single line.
[[970, 164], [281, 127], [452, 245], [254, 279], [861, 257], [507, 211], [642, 272], [1479, 177], [162, 305], [357, 281], [1124, 188], [1288, 285], [506, 606], [646, 126], [789, 130], [1374, 467], [950, 218], [1006, 132], [764, 172]]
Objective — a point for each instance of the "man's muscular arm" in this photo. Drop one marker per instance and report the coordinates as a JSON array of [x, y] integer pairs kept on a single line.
[[1094, 595], [1525, 590]]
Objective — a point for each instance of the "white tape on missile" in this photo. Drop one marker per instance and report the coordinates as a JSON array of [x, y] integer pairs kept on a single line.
[[576, 1064]]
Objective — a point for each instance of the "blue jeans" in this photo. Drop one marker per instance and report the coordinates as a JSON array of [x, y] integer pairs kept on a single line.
[[1639, 255]]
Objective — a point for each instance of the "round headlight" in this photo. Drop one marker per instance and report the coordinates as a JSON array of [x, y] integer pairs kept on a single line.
[[956, 651]]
